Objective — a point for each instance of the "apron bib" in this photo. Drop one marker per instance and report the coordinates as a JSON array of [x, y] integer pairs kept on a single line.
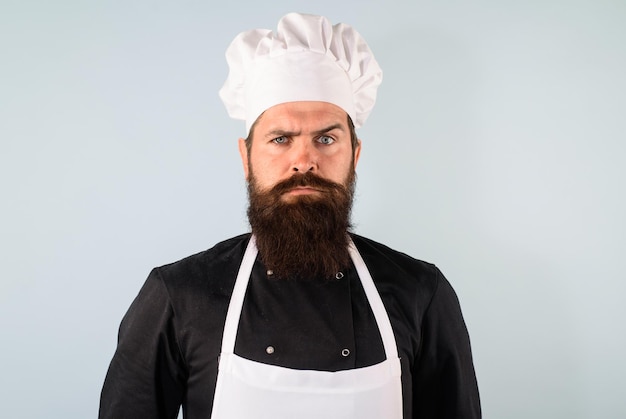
[[248, 389]]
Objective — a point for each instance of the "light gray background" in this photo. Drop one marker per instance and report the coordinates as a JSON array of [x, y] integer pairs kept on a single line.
[[496, 151]]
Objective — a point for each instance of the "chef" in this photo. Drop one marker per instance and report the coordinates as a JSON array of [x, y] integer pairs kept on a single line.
[[301, 318]]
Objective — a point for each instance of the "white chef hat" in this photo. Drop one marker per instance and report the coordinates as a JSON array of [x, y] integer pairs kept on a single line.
[[306, 59]]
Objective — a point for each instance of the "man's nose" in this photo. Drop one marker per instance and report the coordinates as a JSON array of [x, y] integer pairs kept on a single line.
[[304, 157]]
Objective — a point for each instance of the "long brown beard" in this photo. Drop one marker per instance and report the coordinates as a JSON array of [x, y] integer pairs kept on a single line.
[[308, 237]]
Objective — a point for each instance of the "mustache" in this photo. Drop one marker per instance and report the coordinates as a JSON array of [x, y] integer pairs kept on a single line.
[[309, 179]]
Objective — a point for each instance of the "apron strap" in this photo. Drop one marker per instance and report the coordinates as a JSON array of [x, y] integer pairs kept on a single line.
[[236, 300], [376, 303]]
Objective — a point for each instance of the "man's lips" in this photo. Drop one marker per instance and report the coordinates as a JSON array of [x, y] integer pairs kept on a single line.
[[302, 190]]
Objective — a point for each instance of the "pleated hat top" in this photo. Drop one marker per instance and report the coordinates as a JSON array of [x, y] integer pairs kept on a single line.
[[305, 59]]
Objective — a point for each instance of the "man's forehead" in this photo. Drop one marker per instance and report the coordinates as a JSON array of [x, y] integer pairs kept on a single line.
[[307, 116]]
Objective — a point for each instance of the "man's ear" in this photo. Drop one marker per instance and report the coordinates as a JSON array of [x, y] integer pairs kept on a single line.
[[357, 152], [243, 152]]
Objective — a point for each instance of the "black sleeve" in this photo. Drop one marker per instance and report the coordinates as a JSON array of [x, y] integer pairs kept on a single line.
[[146, 378], [444, 381]]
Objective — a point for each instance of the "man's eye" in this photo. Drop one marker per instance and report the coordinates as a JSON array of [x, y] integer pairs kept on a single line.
[[280, 140], [325, 139]]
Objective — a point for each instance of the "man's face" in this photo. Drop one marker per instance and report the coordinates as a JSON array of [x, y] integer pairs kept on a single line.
[[300, 170], [296, 138]]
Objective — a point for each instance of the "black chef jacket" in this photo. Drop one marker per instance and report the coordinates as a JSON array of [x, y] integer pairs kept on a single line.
[[170, 338]]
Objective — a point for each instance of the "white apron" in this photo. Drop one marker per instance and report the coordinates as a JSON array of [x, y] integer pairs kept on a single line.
[[252, 390]]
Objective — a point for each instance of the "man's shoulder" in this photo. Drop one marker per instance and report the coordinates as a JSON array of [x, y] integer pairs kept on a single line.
[[220, 261], [374, 250], [397, 269]]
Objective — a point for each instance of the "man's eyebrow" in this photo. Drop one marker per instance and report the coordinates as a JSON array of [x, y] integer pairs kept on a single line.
[[277, 132], [329, 128]]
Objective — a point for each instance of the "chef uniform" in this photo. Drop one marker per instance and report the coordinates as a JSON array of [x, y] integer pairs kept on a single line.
[[217, 335], [276, 392]]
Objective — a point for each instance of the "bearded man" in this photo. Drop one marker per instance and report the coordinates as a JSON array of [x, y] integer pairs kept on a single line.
[[301, 318]]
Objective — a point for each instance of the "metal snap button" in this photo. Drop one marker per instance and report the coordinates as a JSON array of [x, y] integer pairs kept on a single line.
[[345, 352], [269, 350]]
